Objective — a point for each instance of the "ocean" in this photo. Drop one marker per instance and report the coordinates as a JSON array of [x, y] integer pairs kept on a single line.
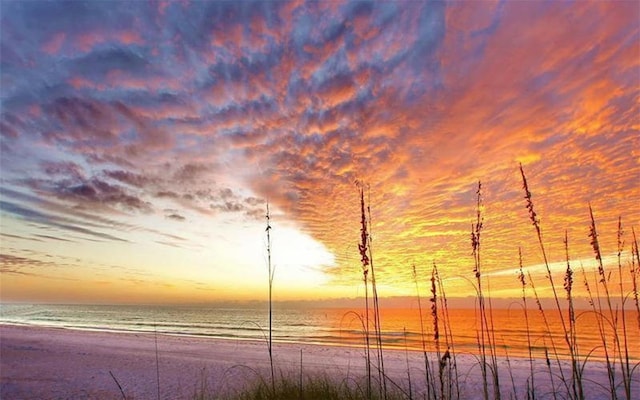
[[401, 327]]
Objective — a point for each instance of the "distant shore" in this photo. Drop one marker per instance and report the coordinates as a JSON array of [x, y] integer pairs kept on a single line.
[[53, 363]]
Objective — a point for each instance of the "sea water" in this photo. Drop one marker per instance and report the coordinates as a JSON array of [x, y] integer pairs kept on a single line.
[[458, 329]]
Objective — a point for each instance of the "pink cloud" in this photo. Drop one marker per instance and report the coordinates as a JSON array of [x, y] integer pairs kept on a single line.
[[88, 40], [54, 44], [79, 82]]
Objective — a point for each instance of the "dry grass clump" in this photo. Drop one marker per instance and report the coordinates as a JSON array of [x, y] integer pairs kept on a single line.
[[303, 388]]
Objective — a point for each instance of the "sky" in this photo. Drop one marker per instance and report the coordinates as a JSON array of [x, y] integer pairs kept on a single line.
[[140, 143]]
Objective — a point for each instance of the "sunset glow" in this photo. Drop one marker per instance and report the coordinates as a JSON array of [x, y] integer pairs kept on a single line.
[[141, 142]]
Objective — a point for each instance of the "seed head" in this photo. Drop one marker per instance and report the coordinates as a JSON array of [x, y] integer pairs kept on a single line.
[[593, 234], [568, 275], [434, 305], [364, 237], [529, 206], [521, 277]]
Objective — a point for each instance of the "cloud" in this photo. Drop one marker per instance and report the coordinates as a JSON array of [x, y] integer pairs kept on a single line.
[[211, 107], [11, 125], [81, 119], [97, 64], [59, 239], [10, 264], [167, 194], [53, 221], [130, 178], [191, 172], [66, 169], [176, 217], [93, 192], [48, 205], [226, 200], [11, 236]]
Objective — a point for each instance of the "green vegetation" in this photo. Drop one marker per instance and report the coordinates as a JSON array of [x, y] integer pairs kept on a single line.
[[307, 388]]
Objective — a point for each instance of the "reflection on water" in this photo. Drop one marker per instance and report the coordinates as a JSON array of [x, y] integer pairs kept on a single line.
[[343, 327]]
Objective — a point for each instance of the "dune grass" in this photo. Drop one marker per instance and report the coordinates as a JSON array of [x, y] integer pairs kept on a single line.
[[441, 379], [304, 388]]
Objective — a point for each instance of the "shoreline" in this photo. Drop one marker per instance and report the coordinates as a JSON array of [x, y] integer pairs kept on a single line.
[[331, 327], [45, 363]]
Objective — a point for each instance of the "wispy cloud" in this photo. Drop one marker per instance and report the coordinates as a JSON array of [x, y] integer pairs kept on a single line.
[[52, 220]]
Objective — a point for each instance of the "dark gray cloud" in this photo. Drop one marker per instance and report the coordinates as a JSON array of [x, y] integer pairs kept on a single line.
[[191, 172], [167, 194], [228, 206], [42, 201], [176, 217], [11, 236], [54, 221], [219, 200], [33, 266], [130, 178], [56, 238], [67, 169], [93, 192], [15, 265], [96, 65]]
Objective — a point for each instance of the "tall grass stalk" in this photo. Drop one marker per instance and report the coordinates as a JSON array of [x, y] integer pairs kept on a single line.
[[448, 334], [626, 367], [548, 362], [445, 368], [603, 279], [476, 229], [271, 271], [364, 260], [376, 307], [535, 221], [436, 332], [485, 329], [597, 311], [549, 333], [635, 272], [155, 331], [300, 380], [124, 397], [514, 395], [406, 356], [491, 333], [576, 371], [531, 387], [430, 384]]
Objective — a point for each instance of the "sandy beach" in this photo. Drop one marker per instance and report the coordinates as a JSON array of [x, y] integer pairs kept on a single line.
[[54, 363]]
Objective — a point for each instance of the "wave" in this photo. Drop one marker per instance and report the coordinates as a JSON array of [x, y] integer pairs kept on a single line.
[[293, 326]]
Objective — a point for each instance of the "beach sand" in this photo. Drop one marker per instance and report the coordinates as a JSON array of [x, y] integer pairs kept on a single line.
[[54, 363]]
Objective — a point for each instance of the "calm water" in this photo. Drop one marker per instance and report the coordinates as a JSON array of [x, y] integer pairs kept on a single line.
[[338, 327]]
